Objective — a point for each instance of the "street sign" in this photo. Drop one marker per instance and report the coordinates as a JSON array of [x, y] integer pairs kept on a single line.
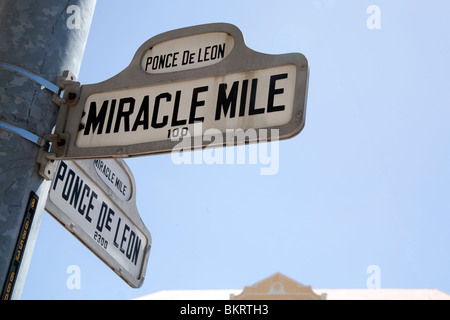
[[193, 83], [95, 200]]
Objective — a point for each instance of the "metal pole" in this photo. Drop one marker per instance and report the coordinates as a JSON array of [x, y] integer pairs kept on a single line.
[[42, 38]]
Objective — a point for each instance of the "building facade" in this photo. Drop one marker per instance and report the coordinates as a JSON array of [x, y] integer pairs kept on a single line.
[[281, 287]]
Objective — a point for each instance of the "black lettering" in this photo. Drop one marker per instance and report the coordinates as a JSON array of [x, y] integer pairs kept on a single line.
[[66, 190], [109, 219], [130, 245], [106, 172], [168, 61], [60, 175], [195, 103], [81, 209], [143, 111], [188, 57], [243, 98], [136, 250], [90, 205], [101, 217], [118, 184], [200, 55], [207, 52], [221, 51], [76, 191], [124, 114], [95, 120], [273, 92], [175, 121], [225, 102], [174, 62], [98, 163], [185, 58], [111, 116], [214, 50], [149, 62], [127, 228], [115, 234], [252, 109], [155, 124], [161, 62], [155, 62]]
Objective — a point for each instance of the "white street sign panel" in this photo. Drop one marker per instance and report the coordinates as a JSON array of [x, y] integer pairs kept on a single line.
[[94, 199], [152, 114], [199, 77]]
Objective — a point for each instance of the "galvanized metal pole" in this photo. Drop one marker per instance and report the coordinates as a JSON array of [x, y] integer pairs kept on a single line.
[[42, 39]]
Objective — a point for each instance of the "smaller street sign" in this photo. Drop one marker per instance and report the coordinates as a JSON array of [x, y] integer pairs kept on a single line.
[[95, 200]]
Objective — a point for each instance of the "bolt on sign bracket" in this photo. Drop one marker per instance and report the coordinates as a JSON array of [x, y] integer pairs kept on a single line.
[[55, 144]]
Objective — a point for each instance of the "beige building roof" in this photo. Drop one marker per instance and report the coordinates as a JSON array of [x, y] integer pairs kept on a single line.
[[280, 287]]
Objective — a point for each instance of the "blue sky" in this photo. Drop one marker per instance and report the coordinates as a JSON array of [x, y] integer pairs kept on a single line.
[[366, 183]]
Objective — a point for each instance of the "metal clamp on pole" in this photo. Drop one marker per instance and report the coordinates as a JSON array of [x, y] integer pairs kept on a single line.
[[67, 78], [23, 133], [55, 143], [45, 84]]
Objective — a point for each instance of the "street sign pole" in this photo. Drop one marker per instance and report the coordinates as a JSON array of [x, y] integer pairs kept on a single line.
[[40, 39]]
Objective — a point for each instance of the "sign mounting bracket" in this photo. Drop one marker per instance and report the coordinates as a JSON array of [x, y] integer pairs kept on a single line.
[[55, 144]]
